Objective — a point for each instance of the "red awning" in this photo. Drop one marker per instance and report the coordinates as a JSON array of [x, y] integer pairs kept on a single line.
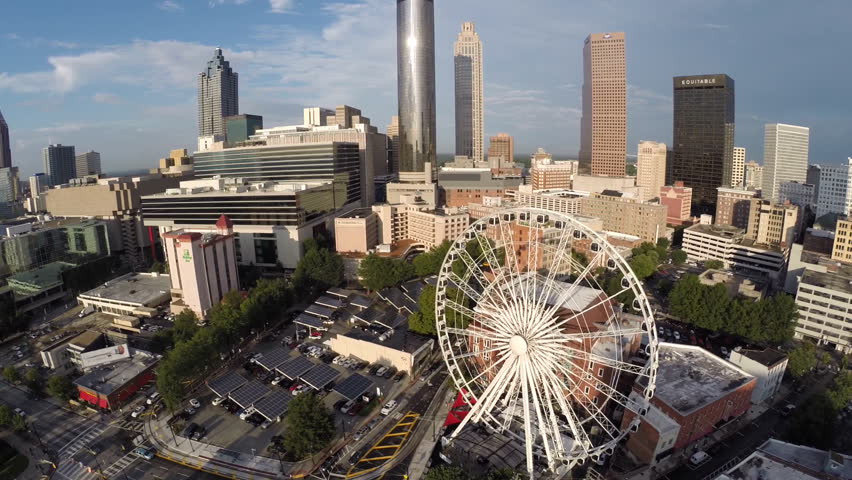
[[87, 396], [104, 403]]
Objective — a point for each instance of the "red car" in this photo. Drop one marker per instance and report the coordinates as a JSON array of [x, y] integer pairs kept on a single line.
[[294, 386]]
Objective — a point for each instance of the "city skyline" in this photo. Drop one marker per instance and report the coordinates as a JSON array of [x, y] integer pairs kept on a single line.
[[540, 110]]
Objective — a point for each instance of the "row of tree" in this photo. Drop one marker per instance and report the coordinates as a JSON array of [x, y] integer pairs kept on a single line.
[[816, 421], [9, 418], [768, 320], [377, 273], [455, 473]]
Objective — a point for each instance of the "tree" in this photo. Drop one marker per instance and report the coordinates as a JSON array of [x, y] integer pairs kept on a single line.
[[11, 374], [429, 263], [840, 394], [713, 264], [310, 426], [446, 473], [814, 423], [663, 242], [34, 380], [678, 257], [6, 415], [802, 359], [318, 270], [185, 326], [505, 474], [159, 267], [643, 266], [19, 424], [60, 387], [377, 272], [423, 321]]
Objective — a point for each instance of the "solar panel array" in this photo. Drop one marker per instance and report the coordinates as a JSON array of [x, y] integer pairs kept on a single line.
[[339, 292], [274, 405], [320, 376], [227, 383], [360, 301], [249, 393], [353, 386], [329, 301], [319, 311], [274, 358], [296, 367], [308, 321]]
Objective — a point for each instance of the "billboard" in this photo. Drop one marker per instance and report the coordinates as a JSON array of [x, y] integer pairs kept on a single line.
[[104, 356]]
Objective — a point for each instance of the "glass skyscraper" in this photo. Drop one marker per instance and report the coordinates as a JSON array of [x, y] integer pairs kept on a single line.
[[60, 163], [5, 145], [703, 137], [218, 96], [415, 47]]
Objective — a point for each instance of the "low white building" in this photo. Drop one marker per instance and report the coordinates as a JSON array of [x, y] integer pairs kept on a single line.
[[135, 294], [731, 246], [767, 366]]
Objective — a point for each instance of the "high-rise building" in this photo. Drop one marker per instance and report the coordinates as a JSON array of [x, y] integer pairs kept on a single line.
[[5, 144], [770, 223], [603, 127], [501, 151], [703, 133], [738, 167], [393, 145], [238, 128], [650, 169], [550, 174], [38, 183], [540, 156], [88, 163], [800, 194], [733, 206], [316, 116], [785, 157], [11, 205], [753, 175], [823, 315], [60, 163], [814, 174], [415, 47], [470, 117], [626, 215], [218, 96], [834, 194]]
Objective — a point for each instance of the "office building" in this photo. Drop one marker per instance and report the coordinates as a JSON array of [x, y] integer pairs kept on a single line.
[[177, 164], [733, 206], [738, 167], [814, 173], [730, 246], [540, 156], [603, 126], [59, 164], [415, 47], [799, 194], [88, 163], [38, 183], [470, 113], [32, 249], [842, 248], [218, 96], [627, 215], [501, 151], [753, 175], [562, 201], [824, 300], [413, 219], [393, 145], [356, 231], [132, 294], [270, 220], [113, 386], [772, 223], [238, 128], [766, 365], [204, 267], [549, 174], [11, 203], [316, 116], [463, 186], [650, 169], [703, 133], [5, 144], [785, 157], [833, 193], [678, 201], [598, 184]]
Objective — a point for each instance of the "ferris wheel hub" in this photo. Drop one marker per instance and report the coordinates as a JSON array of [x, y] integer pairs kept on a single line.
[[518, 344]]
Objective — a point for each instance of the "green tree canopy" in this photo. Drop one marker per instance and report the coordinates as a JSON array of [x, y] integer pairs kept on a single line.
[[840, 393], [61, 388], [310, 426], [643, 265], [678, 257], [423, 321], [378, 272], [19, 423], [813, 424], [318, 270], [159, 267], [713, 264], [6, 415], [11, 374], [446, 473], [185, 326], [429, 263], [663, 242]]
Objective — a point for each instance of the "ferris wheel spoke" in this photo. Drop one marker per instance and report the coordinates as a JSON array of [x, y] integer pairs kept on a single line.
[[616, 364], [464, 286], [485, 402], [557, 326], [492, 335], [551, 395], [613, 394], [572, 289], [547, 426], [478, 353], [564, 240], [598, 415], [487, 370], [560, 389], [560, 337], [528, 426]]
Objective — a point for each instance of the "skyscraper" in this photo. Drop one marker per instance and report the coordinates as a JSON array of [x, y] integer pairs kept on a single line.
[[470, 119], [59, 163], [650, 169], [218, 95], [393, 145], [415, 47], [603, 127], [785, 157], [703, 136], [5, 145], [501, 151], [88, 163], [738, 167], [753, 175]]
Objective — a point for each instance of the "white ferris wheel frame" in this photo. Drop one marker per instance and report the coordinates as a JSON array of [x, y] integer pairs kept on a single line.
[[530, 343]]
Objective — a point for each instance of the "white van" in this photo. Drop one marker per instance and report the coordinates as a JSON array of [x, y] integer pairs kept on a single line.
[[699, 457], [153, 398]]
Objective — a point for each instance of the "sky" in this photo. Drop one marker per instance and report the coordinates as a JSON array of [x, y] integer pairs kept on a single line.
[[120, 77]]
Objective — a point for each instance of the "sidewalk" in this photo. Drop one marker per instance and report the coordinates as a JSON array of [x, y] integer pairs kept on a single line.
[[421, 456]]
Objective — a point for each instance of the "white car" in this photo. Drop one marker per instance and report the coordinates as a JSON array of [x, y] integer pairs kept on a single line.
[[389, 407], [195, 403], [677, 335], [20, 412], [299, 390], [247, 413], [339, 360], [278, 379], [380, 372], [138, 411], [216, 401]]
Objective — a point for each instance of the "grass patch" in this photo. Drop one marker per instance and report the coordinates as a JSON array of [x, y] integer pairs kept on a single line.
[[13, 467]]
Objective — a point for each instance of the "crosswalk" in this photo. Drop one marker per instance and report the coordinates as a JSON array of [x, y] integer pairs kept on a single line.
[[83, 440], [120, 465], [74, 470], [131, 425]]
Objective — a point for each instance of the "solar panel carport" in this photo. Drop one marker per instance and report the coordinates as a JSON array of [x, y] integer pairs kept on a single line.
[[249, 393], [274, 405], [226, 384], [330, 302], [320, 376], [309, 321], [272, 359], [296, 367], [319, 311], [353, 386]]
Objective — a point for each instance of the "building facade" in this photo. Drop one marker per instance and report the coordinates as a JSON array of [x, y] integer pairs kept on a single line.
[[5, 144], [753, 175], [703, 149], [238, 128], [772, 223], [785, 157], [730, 246], [501, 151], [413, 219], [842, 247], [356, 232], [799, 194], [833, 193], [59, 163], [824, 302], [548, 174], [626, 215], [678, 201], [603, 126], [393, 145], [218, 96], [767, 366], [733, 206], [415, 47], [11, 200], [88, 163], [460, 187], [650, 169], [738, 167], [470, 114], [563, 201]]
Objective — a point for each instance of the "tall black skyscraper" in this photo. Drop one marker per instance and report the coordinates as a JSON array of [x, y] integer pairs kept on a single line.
[[218, 95], [703, 137], [60, 164], [5, 145], [415, 49]]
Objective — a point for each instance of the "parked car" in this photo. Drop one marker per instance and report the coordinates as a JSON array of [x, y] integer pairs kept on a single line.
[[137, 411], [399, 376], [676, 335], [724, 351], [199, 433], [278, 379], [247, 413], [146, 453], [360, 433], [189, 410], [195, 403], [20, 412], [347, 406], [699, 457], [390, 373], [218, 400], [189, 430], [356, 408], [389, 407], [153, 398], [300, 390], [381, 371], [266, 424], [788, 410]]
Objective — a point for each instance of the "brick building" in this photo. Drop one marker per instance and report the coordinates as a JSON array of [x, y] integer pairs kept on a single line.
[[678, 201]]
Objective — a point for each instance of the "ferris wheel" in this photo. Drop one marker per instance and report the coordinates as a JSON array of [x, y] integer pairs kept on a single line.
[[539, 349]]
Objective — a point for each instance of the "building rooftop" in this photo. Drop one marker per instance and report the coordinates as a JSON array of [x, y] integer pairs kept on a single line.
[[777, 460], [768, 356], [831, 281], [358, 213], [132, 288], [86, 339], [105, 380], [217, 187], [402, 339], [725, 231], [690, 377], [42, 278]]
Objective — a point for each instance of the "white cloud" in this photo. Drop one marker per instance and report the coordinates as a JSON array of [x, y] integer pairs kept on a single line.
[[715, 26], [214, 3], [170, 6], [111, 98], [281, 6], [67, 127]]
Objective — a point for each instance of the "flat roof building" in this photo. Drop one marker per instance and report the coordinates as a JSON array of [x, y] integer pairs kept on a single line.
[[766, 365], [462, 186], [678, 201], [357, 231], [627, 215], [110, 387], [130, 294], [824, 303], [731, 246], [733, 206], [777, 460]]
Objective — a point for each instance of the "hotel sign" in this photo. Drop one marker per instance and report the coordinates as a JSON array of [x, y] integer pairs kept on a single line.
[[697, 81], [187, 257]]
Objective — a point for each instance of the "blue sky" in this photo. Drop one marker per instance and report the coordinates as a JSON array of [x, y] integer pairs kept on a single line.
[[120, 77]]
